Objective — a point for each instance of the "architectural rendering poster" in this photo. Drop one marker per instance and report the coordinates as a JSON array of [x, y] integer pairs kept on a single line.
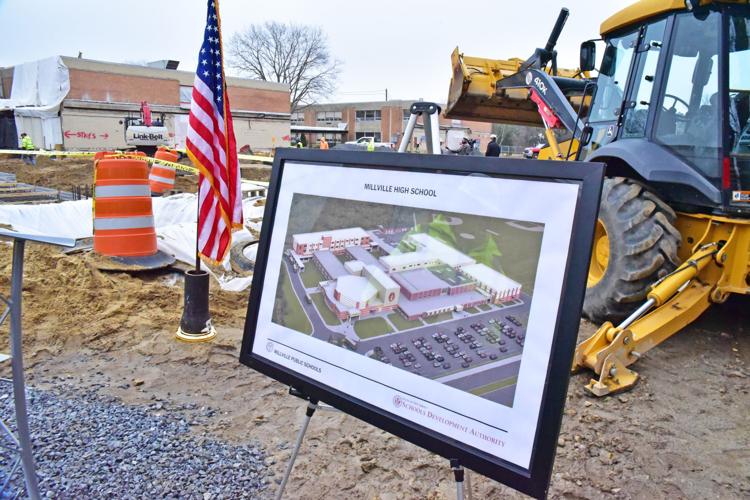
[[433, 297]]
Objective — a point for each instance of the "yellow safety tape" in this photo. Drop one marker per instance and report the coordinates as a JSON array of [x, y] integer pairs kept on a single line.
[[264, 159], [177, 166], [81, 154], [86, 154]]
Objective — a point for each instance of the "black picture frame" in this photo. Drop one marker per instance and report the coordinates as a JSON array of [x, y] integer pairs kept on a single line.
[[535, 480]]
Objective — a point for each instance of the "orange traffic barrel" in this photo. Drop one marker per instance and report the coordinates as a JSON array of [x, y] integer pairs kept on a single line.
[[161, 178], [123, 217]]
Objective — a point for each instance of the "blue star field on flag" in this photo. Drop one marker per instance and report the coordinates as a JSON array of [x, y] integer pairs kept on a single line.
[[209, 65]]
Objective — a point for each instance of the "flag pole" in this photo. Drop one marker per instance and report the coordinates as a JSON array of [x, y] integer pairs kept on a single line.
[[197, 225]]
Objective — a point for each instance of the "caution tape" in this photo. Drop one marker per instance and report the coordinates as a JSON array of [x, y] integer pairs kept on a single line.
[[264, 159], [88, 154], [177, 166], [74, 154]]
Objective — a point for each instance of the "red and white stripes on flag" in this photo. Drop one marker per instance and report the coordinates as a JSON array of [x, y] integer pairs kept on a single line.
[[212, 148]]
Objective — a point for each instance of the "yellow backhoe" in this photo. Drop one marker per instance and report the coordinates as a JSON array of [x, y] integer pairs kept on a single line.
[[668, 112]]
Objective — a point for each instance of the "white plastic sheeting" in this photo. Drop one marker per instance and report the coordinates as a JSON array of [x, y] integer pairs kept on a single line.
[[174, 218], [35, 96]]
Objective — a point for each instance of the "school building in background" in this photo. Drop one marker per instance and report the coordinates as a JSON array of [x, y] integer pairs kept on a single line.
[[385, 121], [82, 104]]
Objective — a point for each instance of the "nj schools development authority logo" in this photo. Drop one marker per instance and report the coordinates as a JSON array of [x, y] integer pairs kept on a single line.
[[398, 401], [270, 345]]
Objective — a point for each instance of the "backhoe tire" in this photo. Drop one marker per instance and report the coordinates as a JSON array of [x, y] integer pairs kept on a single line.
[[238, 261], [639, 246]]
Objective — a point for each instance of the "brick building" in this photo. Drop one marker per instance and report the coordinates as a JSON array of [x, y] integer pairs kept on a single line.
[[383, 120], [91, 115]]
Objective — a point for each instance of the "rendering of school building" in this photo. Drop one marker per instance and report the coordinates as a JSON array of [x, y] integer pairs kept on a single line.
[[431, 279], [337, 240], [357, 295]]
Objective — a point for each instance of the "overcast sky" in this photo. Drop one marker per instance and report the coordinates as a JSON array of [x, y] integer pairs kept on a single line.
[[403, 46]]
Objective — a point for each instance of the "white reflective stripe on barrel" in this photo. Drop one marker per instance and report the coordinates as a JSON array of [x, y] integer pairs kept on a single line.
[[120, 191], [165, 167], [158, 178], [124, 222]]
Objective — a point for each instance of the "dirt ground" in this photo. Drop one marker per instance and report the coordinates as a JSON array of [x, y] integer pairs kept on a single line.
[[67, 174], [683, 432]]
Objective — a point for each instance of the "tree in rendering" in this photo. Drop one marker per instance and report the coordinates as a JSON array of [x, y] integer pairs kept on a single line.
[[440, 228], [488, 253], [294, 54]]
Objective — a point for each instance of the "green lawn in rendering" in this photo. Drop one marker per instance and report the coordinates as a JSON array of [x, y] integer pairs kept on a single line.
[[484, 307], [327, 315], [402, 323], [471, 310], [311, 276], [288, 311], [485, 389], [371, 327], [438, 318]]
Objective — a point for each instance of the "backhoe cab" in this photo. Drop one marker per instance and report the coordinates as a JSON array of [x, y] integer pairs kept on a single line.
[[669, 114]]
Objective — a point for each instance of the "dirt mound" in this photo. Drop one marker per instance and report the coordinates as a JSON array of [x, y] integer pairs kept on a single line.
[[56, 174], [66, 297]]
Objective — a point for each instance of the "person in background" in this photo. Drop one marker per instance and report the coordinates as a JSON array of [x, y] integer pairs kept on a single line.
[[371, 145], [323, 143], [465, 148], [27, 145], [493, 148]]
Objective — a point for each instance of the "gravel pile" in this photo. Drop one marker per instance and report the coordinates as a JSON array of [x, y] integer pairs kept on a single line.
[[90, 446]]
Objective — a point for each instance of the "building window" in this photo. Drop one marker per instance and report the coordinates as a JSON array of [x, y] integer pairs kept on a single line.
[[186, 95], [298, 118], [328, 116], [368, 115], [407, 114], [375, 135]]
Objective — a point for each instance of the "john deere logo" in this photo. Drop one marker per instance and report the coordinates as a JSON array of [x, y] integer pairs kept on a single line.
[[529, 78], [269, 346]]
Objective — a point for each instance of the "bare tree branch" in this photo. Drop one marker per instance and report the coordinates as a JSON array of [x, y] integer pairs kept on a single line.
[[288, 53]]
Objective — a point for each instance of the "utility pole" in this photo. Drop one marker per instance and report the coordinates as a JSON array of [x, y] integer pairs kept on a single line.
[[386, 95]]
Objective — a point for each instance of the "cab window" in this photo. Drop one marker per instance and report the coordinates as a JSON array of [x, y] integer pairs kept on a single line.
[[613, 75], [739, 100], [634, 124], [610, 91], [689, 116]]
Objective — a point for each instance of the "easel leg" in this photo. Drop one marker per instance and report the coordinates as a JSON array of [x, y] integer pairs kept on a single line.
[[19, 388], [311, 407], [458, 474]]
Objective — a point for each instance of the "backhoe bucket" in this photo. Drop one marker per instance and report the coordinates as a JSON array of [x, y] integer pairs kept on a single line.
[[473, 93]]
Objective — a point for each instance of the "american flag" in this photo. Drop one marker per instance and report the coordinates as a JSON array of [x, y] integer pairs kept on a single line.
[[212, 148]]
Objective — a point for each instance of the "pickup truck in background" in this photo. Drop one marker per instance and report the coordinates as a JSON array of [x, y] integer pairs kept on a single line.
[[532, 152], [362, 141]]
